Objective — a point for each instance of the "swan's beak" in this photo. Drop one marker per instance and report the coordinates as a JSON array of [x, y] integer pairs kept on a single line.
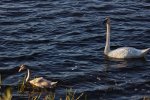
[[22, 67], [105, 21], [19, 69]]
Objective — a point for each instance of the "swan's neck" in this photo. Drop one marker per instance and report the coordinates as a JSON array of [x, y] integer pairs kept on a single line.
[[107, 46], [28, 75]]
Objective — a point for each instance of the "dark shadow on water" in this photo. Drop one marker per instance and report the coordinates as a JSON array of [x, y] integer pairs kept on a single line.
[[124, 65], [143, 59]]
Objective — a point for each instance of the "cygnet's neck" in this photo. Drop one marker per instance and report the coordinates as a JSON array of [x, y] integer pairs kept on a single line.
[[28, 75]]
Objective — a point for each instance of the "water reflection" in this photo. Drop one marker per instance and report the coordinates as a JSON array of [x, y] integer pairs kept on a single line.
[[111, 63]]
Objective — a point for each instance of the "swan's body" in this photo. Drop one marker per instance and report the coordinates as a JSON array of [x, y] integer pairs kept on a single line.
[[123, 52], [42, 83], [38, 82], [127, 52]]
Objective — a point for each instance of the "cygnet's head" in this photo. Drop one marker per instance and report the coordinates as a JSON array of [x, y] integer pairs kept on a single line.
[[22, 67]]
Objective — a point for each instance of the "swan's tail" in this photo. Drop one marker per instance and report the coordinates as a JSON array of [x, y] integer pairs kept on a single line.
[[145, 51], [53, 83]]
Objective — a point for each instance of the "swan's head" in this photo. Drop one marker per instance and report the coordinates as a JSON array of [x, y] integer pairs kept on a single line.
[[107, 20], [22, 67]]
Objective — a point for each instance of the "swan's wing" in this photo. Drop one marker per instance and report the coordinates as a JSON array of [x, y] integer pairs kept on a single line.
[[37, 81], [41, 82], [47, 83], [125, 52]]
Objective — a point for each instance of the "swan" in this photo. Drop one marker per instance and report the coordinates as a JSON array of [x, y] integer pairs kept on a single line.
[[38, 82], [122, 52]]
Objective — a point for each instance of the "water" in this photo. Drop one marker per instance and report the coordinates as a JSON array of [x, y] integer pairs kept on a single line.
[[63, 40]]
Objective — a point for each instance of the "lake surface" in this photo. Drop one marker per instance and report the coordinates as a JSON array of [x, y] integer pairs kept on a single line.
[[63, 40]]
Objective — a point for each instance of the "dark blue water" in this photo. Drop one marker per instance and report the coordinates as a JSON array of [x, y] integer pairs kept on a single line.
[[63, 40]]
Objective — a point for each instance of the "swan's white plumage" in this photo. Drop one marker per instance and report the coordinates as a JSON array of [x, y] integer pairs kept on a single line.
[[123, 52], [42, 83]]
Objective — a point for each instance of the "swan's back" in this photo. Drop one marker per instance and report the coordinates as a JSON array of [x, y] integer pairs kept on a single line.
[[41, 82], [125, 52]]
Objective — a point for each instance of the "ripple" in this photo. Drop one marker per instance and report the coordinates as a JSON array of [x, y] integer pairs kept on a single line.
[[64, 40]]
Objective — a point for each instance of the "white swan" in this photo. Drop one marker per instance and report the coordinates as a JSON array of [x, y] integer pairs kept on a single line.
[[38, 82], [123, 52]]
